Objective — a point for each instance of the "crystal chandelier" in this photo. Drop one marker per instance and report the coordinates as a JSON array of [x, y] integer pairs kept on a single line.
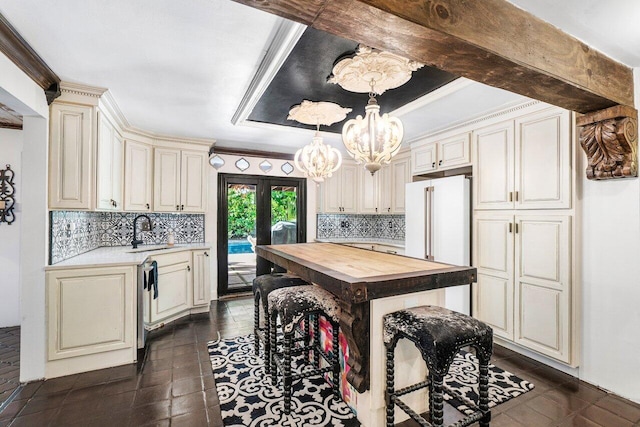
[[318, 160], [374, 139]]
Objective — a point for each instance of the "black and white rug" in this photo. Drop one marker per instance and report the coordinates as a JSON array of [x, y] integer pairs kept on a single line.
[[248, 397]]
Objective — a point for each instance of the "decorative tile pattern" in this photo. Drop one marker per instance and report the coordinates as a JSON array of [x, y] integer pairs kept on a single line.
[[360, 226], [74, 233]]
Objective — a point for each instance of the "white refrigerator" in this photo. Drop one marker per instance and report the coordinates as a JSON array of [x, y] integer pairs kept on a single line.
[[438, 228]]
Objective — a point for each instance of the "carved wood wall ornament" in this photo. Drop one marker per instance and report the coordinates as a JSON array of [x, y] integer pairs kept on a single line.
[[610, 140]]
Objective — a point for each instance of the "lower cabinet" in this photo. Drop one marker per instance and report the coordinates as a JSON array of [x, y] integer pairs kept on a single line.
[[201, 278], [91, 321], [524, 288]]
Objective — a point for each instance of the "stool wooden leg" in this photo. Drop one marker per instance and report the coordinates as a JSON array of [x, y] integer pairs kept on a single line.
[[267, 335], [269, 364], [483, 401], [390, 384], [336, 358], [256, 323], [430, 394], [437, 400], [286, 377], [316, 340]]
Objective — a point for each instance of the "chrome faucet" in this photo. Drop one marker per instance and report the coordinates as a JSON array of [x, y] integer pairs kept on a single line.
[[146, 226]]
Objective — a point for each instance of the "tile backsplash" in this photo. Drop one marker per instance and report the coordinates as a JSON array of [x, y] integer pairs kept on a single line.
[[360, 226], [74, 233]]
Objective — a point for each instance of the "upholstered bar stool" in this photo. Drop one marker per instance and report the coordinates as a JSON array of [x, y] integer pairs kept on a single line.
[[262, 287], [439, 334], [297, 304]]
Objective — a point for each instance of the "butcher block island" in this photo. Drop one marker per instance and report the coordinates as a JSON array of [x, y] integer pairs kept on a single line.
[[369, 285]]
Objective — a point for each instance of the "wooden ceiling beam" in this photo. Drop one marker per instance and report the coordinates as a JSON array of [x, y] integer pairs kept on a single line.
[[489, 41]]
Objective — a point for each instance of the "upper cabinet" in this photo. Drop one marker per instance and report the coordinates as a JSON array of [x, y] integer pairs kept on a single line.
[[71, 156], [339, 191], [110, 166], [524, 163], [441, 154], [138, 176], [180, 180]]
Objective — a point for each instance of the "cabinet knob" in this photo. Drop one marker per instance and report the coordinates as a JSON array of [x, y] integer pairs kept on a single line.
[[376, 209], [177, 207], [188, 268], [148, 206], [433, 165], [181, 207], [440, 163], [388, 209], [206, 254]]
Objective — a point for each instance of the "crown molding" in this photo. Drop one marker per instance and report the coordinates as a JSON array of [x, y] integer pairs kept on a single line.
[[285, 39], [485, 117], [82, 89]]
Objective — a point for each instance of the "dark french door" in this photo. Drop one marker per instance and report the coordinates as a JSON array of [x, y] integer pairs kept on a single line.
[[255, 210]]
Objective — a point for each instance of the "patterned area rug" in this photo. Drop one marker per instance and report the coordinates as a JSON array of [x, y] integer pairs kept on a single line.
[[248, 398]]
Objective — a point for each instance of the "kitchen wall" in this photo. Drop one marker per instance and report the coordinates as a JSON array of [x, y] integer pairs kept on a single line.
[[10, 153], [73, 233], [388, 227], [610, 269]]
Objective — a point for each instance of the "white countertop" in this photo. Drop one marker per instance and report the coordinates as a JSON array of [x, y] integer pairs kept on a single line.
[[352, 240], [120, 255]]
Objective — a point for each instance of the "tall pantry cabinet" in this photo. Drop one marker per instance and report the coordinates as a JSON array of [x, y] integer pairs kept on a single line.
[[523, 230]]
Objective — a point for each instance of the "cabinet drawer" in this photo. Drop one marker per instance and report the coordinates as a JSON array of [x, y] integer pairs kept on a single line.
[[172, 259]]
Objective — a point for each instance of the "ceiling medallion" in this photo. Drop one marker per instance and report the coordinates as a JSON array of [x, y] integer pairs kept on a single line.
[[318, 160], [388, 70]]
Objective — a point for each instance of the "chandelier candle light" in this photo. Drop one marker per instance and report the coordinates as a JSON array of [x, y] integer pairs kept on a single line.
[[374, 139], [318, 160]]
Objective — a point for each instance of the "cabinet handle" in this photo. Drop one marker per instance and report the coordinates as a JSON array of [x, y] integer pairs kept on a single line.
[[148, 206], [433, 165], [115, 204], [516, 196], [440, 163], [511, 196], [510, 228], [391, 252], [181, 207], [516, 228], [206, 254], [188, 268], [376, 210], [177, 207], [388, 209]]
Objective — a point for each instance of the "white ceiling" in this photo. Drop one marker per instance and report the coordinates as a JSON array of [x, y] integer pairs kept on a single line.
[[182, 68]]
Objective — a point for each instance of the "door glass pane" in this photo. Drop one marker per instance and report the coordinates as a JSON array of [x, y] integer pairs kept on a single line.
[[241, 234], [284, 214]]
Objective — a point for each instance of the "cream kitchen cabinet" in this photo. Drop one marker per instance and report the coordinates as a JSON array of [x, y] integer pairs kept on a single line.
[[524, 163], [71, 156], [524, 288], [201, 277], [180, 180], [383, 193], [138, 176], [175, 287], [340, 191], [110, 166], [441, 154], [91, 322]]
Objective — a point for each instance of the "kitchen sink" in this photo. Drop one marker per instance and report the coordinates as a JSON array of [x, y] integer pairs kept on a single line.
[[150, 248]]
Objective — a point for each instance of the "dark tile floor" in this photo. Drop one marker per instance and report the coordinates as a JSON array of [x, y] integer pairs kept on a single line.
[[174, 386], [9, 362]]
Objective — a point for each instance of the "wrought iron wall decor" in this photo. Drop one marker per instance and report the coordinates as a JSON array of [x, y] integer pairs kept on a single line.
[[7, 195]]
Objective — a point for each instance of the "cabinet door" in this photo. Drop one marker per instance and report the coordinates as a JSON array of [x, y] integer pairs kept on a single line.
[[166, 182], [423, 158], [90, 311], [494, 168], [543, 160], [385, 188], [332, 193], [138, 172], [349, 188], [368, 192], [201, 279], [193, 181], [106, 163], [493, 257], [542, 284], [174, 291], [400, 176], [117, 170], [71, 163], [454, 151]]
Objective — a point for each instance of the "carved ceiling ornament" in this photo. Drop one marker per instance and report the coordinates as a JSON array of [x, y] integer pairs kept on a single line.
[[388, 70], [610, 140], [318, 113]]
